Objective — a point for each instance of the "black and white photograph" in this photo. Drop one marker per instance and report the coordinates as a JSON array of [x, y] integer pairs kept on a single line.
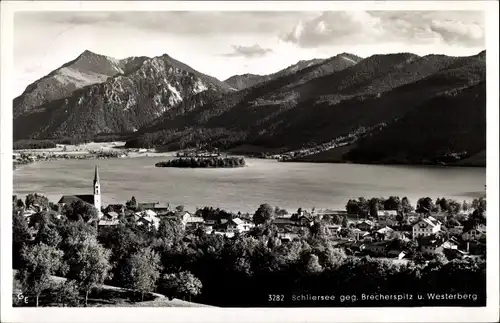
[[224, 157]]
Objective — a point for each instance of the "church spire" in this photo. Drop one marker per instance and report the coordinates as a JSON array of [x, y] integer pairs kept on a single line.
[[96, 176]]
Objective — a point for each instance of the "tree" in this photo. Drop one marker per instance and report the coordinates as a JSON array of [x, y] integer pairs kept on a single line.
[[36, 199], [88, 263], [443, 204], [312, 264], [479, 203], [182, 284], [39, 263], [318, 229], [454, 207], [465, 206], [280, 212], [170, 230], [337, 219], [264, 214], [71, 232], [40, 220], [144, 271], [364, 207], [80, 209], [345, 223], [418, 258], [49, 236], [132, 204], [327, 218], [406, 205], [478, 217], [393, 203], [375, 204], [66, 294], [425, 205], [180, 208], [21, 236], [17, 203], [352, 207]]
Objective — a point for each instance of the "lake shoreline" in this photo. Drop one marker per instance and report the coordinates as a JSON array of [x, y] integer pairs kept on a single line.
[[126, 153], [287, 185], [384, 164]]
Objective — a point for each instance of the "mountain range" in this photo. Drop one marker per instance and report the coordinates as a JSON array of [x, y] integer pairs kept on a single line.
[[393, 108]]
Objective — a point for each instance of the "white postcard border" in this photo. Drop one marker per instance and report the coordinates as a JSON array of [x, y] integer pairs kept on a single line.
[[439, 314]]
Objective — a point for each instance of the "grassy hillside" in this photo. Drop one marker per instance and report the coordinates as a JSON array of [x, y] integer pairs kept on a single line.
[[106, 296]]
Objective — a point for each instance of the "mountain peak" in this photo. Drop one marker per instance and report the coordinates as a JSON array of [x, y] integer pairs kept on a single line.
[[348, 56], [482, 54], [88, 53]]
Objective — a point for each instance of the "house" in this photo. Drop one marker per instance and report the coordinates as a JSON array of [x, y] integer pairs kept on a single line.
[[355, 246], [387, 217], [440, 216], [385, 233], [334, 229], [148, 218], [93, 199], [181, 216], [193, 222], [426, 227], [109, 219], [117, 208], [288, 236], [456, 230], [209, 223], [435, 247], [146, 213], [241, 225], [358, 234], [226, 234], [208, 228], [478, 233], [432, 248], [112, 215], [411, 218], [159, 208], [305, 220], [365, 225], [149, 221], [455, 253], [396, 253], [108, 222], [187, 219], [377, 248], [282, 223]]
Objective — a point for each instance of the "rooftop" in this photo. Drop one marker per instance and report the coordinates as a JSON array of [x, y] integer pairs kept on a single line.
[[68, 199]]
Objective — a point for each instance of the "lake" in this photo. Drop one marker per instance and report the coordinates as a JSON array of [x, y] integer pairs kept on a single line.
[[288, 185]]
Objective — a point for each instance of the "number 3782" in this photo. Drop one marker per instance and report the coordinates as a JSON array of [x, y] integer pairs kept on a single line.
[[276, 298]]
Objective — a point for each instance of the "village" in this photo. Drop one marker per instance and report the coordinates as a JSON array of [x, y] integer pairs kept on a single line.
[[381, 237], [391, 234]]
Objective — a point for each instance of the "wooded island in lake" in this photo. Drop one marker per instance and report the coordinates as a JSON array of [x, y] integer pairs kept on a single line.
[[204, 162]]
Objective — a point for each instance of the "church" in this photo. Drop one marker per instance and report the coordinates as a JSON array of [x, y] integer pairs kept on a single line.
[[94, 199]]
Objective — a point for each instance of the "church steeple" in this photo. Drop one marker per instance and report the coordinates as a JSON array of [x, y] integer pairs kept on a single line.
[[96, 175], [97, 189]]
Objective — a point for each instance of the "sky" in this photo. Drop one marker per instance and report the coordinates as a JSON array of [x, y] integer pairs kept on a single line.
[[223, 44]]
